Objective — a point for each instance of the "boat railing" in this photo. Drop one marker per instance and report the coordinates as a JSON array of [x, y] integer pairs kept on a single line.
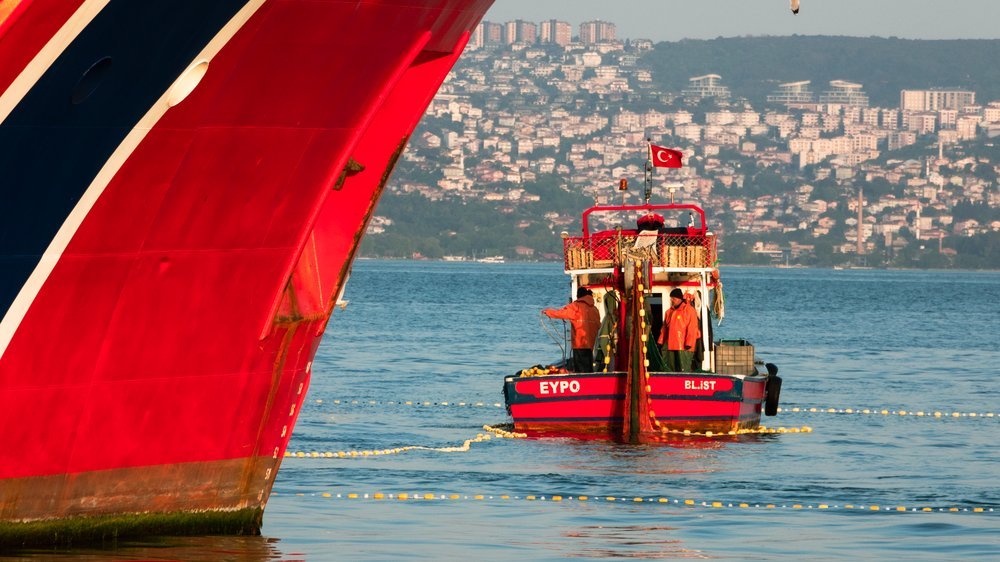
[[668, 250]]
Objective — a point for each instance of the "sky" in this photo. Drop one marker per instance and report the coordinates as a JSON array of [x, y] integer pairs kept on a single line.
[[670, 20]]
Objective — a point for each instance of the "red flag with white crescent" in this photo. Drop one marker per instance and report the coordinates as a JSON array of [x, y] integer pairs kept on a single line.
[[665, 157]]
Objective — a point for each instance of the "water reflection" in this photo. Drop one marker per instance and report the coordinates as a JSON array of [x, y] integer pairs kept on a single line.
[[673, 456], [191, 549], [628, 541]]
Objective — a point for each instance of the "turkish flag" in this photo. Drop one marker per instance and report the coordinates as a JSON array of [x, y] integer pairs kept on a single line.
[[665, 157]]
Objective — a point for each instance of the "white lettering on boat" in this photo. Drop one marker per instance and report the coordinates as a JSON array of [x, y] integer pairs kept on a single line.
[[558, 387], [699, 385]]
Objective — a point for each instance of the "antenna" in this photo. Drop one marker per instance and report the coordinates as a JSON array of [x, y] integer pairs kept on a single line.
[[673, 187], [649, 180]]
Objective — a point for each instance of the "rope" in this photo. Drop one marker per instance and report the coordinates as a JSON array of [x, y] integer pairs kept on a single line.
[[549, 328], [492, 431], [606, 342], [759, 430], [887, 412], [653, 501], [718, 298], [937, 414], [412, 403]]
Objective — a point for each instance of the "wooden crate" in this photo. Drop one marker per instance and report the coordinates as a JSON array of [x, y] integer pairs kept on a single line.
[[579, 258], [734, 357], [682, 256], [670, 256]]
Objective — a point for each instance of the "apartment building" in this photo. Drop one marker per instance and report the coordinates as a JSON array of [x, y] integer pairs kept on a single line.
[[520, 31], [845, 93], [792, 92], [597, 31], [707, 86], [935, 99], [555, 31]]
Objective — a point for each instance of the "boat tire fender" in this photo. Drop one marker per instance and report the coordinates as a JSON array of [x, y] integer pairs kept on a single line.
[[772, 392], [506, 391]]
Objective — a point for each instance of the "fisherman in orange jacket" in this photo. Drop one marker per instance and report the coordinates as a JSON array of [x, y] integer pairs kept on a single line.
[[586, 322], [679, 334]]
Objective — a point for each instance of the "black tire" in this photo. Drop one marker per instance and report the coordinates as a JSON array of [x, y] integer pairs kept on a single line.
[[772, 392]]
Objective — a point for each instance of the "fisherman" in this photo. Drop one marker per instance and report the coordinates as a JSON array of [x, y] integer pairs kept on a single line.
[[679, 334], [586, 322]]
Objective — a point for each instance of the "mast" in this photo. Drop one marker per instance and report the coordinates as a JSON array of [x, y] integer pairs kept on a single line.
[[649, 171]]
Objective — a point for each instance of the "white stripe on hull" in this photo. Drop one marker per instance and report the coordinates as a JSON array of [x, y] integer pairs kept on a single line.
[[33, 72], [19, 307]]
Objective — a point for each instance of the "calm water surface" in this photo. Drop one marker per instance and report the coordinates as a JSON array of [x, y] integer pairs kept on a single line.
[[440, 332]]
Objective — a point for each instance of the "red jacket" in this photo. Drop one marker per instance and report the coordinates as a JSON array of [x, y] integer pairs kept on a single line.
[[680, 328], [584, 317]]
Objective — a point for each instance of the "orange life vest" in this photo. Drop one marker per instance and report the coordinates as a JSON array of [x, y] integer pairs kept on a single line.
[[584, 317], [680, 328]]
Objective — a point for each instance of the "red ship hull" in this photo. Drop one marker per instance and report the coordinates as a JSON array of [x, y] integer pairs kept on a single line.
[[185, 186], [593, 405]]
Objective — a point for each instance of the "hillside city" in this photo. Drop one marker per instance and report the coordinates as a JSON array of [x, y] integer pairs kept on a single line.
[[784, 180]]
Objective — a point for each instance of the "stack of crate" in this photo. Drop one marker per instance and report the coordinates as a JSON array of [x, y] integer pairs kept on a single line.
[[695, 256], [734, 357], [605, 248], [578, 257], [682, 256]]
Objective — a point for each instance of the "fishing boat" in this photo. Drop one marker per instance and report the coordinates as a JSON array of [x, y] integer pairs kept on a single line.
[[184, 187], [631, 264]]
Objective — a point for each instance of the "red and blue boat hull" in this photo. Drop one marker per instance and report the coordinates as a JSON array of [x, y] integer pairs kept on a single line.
[[184, 186], [593, 405]]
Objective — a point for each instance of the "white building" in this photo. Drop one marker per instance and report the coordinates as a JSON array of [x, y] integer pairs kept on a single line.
[[845, 93], [935, 99], [792, 92], [707, 86]]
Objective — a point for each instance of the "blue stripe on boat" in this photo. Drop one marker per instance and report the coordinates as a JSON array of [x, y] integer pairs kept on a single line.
[[56, 140]]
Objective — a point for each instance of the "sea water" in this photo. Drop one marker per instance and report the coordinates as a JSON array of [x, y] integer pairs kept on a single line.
[[896, 373]]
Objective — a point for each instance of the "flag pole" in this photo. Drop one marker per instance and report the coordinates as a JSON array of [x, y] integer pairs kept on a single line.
[[649, 169]]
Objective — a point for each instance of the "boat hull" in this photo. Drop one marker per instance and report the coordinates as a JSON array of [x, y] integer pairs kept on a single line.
[[185, 498], [185, 186], [592, 405]]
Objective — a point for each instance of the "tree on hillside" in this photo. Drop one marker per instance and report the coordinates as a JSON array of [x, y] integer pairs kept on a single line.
[[980, 212], [980, 251], [986, 172], [754, 66], [766, 182]]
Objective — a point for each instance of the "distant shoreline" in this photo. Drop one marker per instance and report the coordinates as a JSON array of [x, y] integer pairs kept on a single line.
[[723, 266]]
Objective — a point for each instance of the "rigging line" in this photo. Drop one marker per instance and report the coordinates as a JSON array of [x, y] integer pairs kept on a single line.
[[688, 503], [550, 330], [500, 433], [937, 414], [492, 431], [888, 412], [424, 403]]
